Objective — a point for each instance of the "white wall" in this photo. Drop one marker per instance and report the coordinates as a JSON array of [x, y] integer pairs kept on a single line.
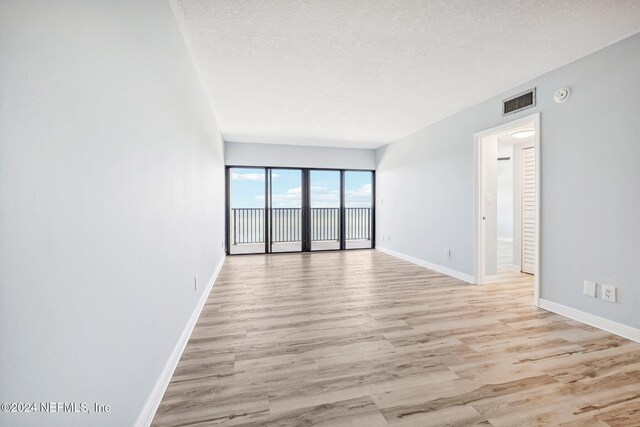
[[111, 201], [490, 208], [505, 192], [590, 170], [245, 154]]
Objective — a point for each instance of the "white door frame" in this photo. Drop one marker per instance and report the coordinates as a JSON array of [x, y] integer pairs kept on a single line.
[[479, 258]]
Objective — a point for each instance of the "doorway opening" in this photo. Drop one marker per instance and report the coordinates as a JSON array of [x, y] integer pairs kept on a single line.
[[275, 210], [507, 201]]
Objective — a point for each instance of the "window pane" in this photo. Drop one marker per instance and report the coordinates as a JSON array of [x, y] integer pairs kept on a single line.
[[324, 195], [246, 216], [286, 210], [358, 198]]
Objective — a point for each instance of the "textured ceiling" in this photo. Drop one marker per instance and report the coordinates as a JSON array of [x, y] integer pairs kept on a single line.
[[362, 73]]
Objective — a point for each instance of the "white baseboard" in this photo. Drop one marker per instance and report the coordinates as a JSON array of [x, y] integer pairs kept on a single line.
[[440, 269], [616, 328], [505, 239], [153, 401]]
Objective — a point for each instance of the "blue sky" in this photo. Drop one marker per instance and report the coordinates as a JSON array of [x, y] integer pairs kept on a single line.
[[247, 188]]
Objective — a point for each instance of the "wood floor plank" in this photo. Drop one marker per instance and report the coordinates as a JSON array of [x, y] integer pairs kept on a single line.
[[360, 338]]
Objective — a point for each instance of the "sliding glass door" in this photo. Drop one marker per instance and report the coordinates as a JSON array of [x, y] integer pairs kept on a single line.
[[273, 210], [324, 201], [358, 201], [285, 210], [247, 219]]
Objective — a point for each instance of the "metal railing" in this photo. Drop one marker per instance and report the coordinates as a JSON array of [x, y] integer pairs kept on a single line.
[[248, 224], [286, 225], [358, 223], [325, 224]]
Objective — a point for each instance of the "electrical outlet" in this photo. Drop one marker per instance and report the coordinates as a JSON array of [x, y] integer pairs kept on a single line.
[[195, 283], [589, 289], [609, 293], [447, 253]]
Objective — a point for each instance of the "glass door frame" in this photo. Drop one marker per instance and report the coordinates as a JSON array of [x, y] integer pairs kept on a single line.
[[305, 210], [341, 223], [227, 212], [269, 210]]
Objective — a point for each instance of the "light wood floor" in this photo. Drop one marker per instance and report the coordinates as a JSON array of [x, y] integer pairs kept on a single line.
[[364, 339]]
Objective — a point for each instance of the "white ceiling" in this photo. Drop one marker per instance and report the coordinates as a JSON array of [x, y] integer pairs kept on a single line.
[[362, 73]]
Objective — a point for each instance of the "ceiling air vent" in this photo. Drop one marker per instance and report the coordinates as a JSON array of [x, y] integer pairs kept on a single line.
[[521, 101]]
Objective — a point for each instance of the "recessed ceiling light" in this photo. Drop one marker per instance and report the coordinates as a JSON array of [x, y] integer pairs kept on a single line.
[[522, 134]]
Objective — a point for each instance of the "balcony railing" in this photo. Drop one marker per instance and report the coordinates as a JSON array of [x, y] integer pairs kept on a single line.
[[325, 224], [247, 224]]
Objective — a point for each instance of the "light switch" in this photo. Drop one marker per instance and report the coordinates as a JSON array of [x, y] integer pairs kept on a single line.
[[488, 199], [589, 289]]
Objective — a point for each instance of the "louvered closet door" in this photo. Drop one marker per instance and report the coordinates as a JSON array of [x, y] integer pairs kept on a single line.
[[528, 171]]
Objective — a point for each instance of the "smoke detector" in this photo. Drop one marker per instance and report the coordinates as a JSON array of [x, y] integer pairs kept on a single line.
[[561, 95]]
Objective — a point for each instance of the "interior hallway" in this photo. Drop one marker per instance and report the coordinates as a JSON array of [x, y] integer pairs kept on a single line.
[[505, 254], [363, 338]]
